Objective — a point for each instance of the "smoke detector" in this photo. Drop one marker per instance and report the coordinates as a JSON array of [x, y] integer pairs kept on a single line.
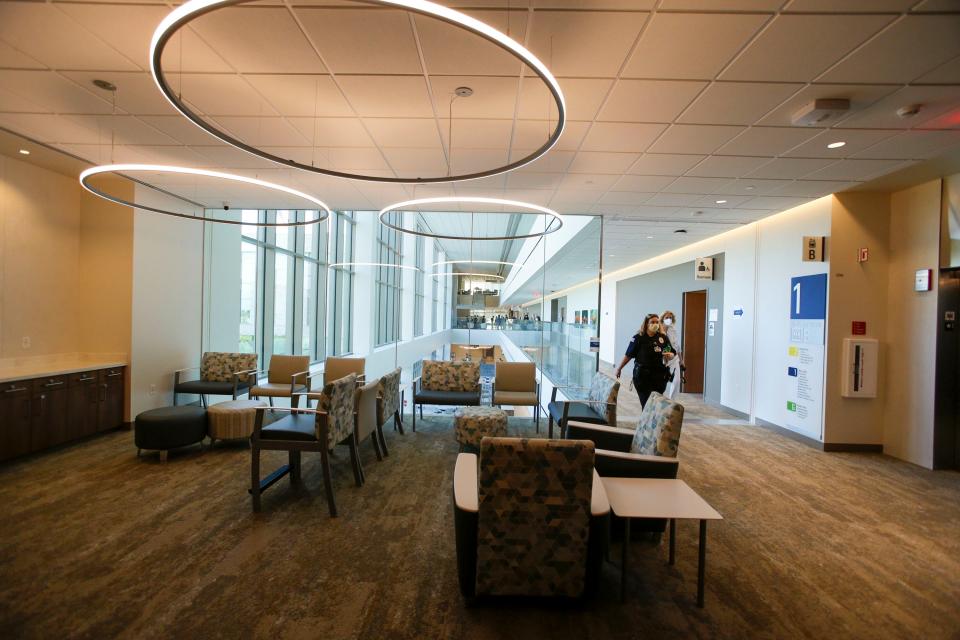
[[820, 111], [909, 111], [463, 92]]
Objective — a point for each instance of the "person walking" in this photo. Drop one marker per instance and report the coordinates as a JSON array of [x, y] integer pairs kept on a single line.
[[668, 327], [648, 349]]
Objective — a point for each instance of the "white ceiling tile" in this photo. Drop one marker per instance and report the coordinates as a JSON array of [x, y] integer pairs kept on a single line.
[[667, 51], [408, 96], [798, 48], [726, 166], [138, 20], [737, 102], [947, 73], [625, 198], [52, 91], [723, 5], [948, 120], [355, 159], [752, 187], [690, 138], [136, 92], [851, 6], [365, 40], [936, 5], [642, 183], [12, 58], [417, 162], [588, 182], [776, 203], [649, 100], [530, 134], [533, 196], [935, 101], [223, 95], [302, 95], [913, 145], [855, 170], [492, 97], [894, 56], [601, 162], [450, 50], [531, 180], [583, 44], [856, 140], [621, 136], [12, 103], [719, 202], [860, 97], [466, 161], [259, 132], [673, 199], [280, 44], [790, 168], [479, 134], [45, 33], [814, 188], [180, 129], [767, 141], [555, 161], [696, 185], [664, 164], [335, 132], [582, 95], [404, 132]]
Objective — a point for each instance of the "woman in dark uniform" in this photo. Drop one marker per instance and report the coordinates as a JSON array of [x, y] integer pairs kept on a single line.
[[649, 349]]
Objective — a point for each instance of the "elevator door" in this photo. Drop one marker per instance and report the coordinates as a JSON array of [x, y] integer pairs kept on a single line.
[[946, 431]]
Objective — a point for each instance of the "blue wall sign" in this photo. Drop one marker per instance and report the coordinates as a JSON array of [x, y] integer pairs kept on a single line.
[[808, 297]]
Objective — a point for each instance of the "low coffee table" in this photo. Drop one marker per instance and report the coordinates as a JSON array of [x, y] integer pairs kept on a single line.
[[659, 498]]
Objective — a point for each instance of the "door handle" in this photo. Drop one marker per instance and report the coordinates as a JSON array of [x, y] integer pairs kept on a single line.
[[54, 383], [115, 374], [83, 379], [15, 389]]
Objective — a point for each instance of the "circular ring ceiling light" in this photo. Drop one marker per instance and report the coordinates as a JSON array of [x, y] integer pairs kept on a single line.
[[189, 11], [500, 262], [556, 220], [322, 214], [447, 274], [372, 264]]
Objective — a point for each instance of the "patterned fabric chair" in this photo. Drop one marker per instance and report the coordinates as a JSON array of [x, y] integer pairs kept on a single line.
[[446, 383], [532, 522], [319, 430], [221, 374], [288, 377], [515, 384], [600, 407], [471, 424], [389, 403], [649, 451]]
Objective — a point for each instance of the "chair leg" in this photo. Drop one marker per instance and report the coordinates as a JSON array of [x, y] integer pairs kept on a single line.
[[383, 441], [376, 446], [414, 417], [355, 461], [294, 460], [203, 400], [270, 400], [328, 482], [255, 476], [398, 422], [163, 456], [550, 426]]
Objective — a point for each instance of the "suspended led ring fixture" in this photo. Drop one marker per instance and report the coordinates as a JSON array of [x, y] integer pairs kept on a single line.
[[447, 274], [322, 214], [556, 220], [372, 264], [500, 262], [190, 11]]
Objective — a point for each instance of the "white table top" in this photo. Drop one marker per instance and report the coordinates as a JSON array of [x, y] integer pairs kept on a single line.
[[657, 498]]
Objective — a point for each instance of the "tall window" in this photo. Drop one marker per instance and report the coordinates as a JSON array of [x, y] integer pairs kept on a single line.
[[388, 282], [249, 284], [340, 295], [437, 284], [419, 299]]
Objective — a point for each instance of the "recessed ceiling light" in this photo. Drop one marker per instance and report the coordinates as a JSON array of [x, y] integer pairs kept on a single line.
[[25, 152], [106, 85], [750, 188], [721, 202], [649, 237], [836, 145]]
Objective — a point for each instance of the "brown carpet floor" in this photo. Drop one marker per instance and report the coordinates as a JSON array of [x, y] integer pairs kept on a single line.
[[98, 543]]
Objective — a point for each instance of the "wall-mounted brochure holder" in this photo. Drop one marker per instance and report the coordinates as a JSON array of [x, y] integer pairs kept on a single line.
[[860, 365]]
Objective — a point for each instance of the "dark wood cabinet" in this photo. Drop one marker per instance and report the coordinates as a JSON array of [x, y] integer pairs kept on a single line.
[[14, 419], [43, 412]]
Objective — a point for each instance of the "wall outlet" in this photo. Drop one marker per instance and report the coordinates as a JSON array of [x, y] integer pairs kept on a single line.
[[25, 342], [153, 389]]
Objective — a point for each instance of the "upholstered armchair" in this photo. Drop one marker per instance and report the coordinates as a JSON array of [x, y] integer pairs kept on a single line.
[[221, 374], [287, 377], [389, 403], [515, 384], [600, 407], [446, 383], [318, 430], [531, 518], [336, 368], [365, 417], [649, 451]]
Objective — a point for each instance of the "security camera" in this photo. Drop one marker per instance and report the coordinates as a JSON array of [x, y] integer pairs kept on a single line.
[[226, 206], [909, 111]]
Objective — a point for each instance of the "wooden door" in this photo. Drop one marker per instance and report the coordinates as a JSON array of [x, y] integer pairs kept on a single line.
[[84, 403], [694, 339], [111, 399], [14, 419], [51, 413]]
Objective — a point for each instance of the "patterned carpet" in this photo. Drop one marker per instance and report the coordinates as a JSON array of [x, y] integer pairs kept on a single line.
[[98, 543]]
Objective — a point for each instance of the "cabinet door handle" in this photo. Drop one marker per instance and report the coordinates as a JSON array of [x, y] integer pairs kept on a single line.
[[82, 379], [15, 389], [54, 383], [115, 374]]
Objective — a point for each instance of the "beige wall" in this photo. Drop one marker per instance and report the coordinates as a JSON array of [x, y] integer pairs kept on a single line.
[[912, 318], [858, 291], [39, 260]]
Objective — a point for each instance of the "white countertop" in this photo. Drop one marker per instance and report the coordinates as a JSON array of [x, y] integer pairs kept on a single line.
[[31, 370], [657, 498]]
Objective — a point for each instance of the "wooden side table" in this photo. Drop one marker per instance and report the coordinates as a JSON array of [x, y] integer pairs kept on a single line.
[[659, 498]]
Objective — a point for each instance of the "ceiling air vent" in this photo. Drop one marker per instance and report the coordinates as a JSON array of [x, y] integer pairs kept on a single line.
[[822, 111]]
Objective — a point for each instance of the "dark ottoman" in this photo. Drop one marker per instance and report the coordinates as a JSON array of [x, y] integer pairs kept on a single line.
[[168, 428]]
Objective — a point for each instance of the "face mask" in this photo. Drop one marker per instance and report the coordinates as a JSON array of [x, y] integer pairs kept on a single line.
[[668, 321], [654, 326]]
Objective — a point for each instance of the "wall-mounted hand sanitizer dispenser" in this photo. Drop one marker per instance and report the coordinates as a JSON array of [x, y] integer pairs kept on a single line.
[[860, 365]]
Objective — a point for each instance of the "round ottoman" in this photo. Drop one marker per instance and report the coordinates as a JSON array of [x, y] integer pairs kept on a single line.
[[472, 423], [233, 419], [168, 428]]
